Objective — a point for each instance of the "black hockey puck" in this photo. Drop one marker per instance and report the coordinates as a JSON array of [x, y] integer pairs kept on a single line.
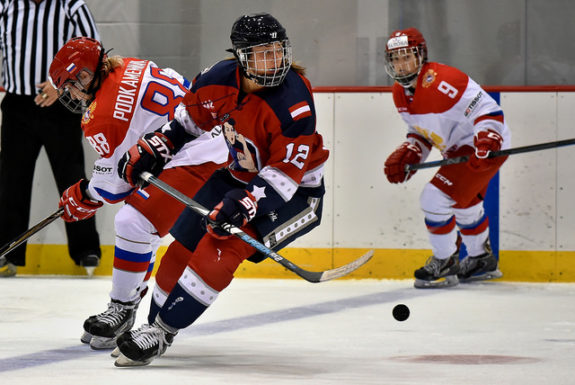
[[401, 312]]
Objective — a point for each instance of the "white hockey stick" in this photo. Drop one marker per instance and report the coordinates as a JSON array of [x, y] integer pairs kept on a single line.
[[310, 276]]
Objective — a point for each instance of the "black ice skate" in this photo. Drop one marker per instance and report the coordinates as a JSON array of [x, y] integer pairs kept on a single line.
[[101, 330], [481, 267], [141, 346], [438, 273]]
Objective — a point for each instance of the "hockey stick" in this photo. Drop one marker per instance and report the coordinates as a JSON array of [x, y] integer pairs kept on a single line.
[[494, 154], [28, 233], [310, 276]]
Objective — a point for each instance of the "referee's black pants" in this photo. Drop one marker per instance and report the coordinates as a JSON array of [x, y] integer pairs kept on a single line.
[[26, 128]]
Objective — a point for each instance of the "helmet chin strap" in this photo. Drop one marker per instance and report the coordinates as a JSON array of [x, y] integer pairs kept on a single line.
[[410, 81]]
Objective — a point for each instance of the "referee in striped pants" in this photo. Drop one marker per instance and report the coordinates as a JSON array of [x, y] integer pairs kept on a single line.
[[31, 32]]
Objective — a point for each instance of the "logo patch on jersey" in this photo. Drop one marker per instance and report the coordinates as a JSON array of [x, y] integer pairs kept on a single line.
[[473, 104], [300, 111], [89, 114], [102, 170], [428, 78], [242, 150]]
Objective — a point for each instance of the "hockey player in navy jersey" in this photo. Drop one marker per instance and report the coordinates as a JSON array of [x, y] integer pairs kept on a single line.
[[446, 109], [272, 186]]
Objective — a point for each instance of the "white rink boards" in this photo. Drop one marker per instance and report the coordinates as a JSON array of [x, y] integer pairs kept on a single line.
[[363, 210]]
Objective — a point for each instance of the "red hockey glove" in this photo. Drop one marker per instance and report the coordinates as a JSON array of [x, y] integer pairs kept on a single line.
[[151, 154], [77, 206], [485, 142], [407, 153], [237, 208]]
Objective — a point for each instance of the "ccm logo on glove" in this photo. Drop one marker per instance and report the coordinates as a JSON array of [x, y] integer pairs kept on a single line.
[[77, 206], [484, 142]]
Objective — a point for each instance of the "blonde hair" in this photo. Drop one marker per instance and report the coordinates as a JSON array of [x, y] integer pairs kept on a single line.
[[111, 63], [298, 68]]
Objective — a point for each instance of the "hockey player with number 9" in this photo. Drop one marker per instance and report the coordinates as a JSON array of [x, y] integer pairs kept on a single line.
[[446, 109], [123, 101]]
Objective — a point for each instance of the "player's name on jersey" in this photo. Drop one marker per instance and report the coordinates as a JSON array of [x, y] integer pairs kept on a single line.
[[126, 98]]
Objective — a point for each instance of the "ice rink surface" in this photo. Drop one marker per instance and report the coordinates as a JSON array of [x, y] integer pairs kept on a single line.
[[293, 332]]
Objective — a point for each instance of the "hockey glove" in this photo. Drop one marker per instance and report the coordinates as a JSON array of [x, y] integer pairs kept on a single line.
[[77, 206], [485, 142], [237, 208], [151, 154], [407, 153]]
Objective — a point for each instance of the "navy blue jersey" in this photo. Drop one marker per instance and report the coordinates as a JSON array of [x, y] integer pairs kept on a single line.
[[274, 146]]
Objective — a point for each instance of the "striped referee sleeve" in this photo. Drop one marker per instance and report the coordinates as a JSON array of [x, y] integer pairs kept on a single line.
[[31, 34]]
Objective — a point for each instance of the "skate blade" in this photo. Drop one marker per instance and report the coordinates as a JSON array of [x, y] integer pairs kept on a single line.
[[123, 362], [448, 281], [483, 277], [115, 353], [90, 270], [86, 337], [102, 343]]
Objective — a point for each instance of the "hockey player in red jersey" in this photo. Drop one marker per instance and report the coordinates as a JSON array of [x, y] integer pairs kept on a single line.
[[446, 109], [272, 186], [122, 99]]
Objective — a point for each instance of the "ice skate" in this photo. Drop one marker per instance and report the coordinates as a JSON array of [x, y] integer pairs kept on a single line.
[[105, 327], [141, 346], [89, 263], [479, 268], [86, 337], [438, 273], [115, 353], [7, 269]]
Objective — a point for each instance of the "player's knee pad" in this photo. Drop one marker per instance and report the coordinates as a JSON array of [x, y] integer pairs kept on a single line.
[[215, 260], [136, 240], [435, 204], [133, 225], [470, 215], [172, 266], [473, 225]]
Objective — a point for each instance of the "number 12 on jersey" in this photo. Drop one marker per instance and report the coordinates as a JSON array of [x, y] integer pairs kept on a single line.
[[299, 158]]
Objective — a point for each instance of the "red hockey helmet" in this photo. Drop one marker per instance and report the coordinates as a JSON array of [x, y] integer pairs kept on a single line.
[[78, 55], [405, 44]]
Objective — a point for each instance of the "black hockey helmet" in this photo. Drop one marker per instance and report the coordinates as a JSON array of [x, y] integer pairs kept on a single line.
[[256, 29], [261, 29]]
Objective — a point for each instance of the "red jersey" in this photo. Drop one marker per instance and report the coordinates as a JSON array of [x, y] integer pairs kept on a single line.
[[448, 108]]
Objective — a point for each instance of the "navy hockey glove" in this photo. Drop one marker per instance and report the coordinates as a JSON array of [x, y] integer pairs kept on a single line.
[[407, 153], [237, 208], [151, 154]]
